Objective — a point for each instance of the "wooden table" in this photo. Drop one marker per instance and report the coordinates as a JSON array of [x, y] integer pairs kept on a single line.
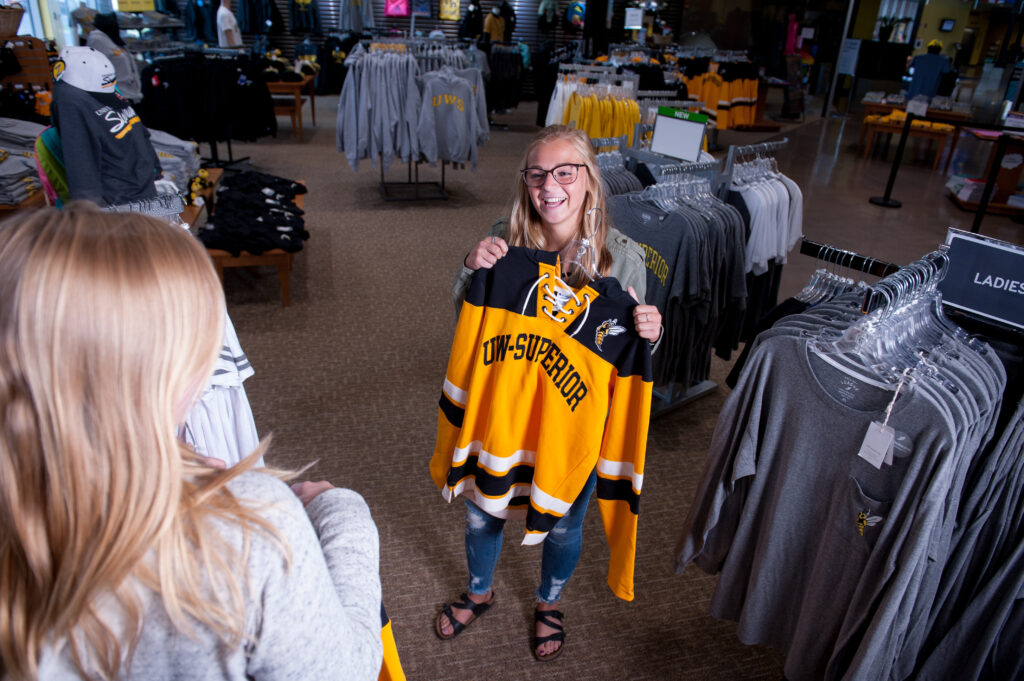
[[296, 89], [35, 200], [874, 128], [878, 109], [275, 257]]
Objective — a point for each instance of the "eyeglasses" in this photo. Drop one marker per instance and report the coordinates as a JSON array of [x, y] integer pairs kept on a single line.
[[563, 174]]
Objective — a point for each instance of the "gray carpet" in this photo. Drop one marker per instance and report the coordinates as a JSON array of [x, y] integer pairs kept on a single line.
[[349, 377]]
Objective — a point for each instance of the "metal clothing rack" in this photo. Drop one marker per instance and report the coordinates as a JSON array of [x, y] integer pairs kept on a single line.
[[738, 151], [603, 74], [672, 396], [657, 94], [661, 163], [847, 259], [602, 142], [413, 189]]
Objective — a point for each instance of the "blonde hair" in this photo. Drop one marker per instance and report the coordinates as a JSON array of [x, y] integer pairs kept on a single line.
[[525, 226], [107, 323]]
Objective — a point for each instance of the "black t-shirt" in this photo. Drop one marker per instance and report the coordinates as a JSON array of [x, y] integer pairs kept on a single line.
[[108, 157]]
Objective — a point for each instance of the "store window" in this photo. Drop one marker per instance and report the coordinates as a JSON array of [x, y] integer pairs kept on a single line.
[[895, 23]]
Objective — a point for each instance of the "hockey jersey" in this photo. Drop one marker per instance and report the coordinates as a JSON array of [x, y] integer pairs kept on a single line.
[[544, 384]]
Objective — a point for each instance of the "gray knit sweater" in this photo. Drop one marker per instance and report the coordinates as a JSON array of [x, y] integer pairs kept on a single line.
[[319, 619]]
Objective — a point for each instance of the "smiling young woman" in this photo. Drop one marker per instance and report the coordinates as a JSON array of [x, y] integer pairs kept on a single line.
[[558, 198]]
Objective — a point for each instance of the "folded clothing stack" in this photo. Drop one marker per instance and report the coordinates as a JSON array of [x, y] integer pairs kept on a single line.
[[898, 117], [18, 176], [255, 212], [179, 159]]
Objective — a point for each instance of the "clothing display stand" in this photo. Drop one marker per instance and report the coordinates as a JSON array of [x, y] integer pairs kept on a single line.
[[671, 396], [847, 259], [214, 160], [736, 151], [413, 189], [599, 143]]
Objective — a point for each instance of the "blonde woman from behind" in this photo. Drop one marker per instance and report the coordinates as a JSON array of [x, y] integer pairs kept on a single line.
[[122, 555]]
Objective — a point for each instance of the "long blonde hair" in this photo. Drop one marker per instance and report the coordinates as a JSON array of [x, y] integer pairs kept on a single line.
[[109, 323], [524, 227]]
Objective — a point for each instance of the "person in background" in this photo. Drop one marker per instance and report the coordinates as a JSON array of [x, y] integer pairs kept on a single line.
[[81, 19], [106, 37], [927, 71], [228, 34], [558, 199], [124, 554]]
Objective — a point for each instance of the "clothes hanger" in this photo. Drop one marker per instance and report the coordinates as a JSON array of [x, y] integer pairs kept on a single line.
[[581, 253]]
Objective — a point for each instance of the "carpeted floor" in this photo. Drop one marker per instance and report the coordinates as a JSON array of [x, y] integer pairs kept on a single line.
[[349, 377]]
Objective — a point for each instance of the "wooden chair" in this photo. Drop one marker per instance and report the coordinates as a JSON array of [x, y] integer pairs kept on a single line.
[[286, 106]]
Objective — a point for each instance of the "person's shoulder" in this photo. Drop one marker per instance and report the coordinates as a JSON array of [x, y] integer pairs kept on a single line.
[[260, 487], [620, 244]]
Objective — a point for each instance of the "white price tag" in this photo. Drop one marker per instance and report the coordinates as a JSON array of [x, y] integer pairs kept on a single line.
[[877, 446], [918, 107]]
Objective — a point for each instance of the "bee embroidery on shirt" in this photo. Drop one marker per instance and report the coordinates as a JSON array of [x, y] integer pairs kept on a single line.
[[609, 327], [866, 520]]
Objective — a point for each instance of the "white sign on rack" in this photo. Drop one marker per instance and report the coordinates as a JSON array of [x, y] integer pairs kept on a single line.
[[985, 276], [634, 19], [679, 134], [848, 55]]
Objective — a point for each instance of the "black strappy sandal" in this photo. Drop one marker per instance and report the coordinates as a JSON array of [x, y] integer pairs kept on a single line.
[[464, 603], [548, 617]]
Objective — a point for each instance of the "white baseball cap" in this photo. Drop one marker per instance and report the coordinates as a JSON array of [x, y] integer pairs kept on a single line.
[[86, 69]]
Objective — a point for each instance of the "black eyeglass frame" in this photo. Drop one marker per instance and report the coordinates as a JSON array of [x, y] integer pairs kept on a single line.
[[552, 173]]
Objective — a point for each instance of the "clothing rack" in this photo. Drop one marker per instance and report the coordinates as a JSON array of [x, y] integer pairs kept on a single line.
[[847, 259], [737, 151], [603, 74], [689, 168], [723, 56], [601, 142], [635, 155], [673, 395], [657, 94], [413, 189], [695, 52]]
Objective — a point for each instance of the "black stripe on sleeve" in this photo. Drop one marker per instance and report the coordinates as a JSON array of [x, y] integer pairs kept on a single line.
[[618, 490], [540, 522], [453, 412], [383, 616], [490, 485]]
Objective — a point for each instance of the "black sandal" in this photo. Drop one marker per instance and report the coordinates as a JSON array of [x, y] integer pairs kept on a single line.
[[547, 617], [464, 603]]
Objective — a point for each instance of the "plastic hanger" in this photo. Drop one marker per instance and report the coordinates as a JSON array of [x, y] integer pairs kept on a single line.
[[581, 253]]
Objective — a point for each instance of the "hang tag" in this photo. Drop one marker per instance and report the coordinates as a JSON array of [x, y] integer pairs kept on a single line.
[[877, 446]]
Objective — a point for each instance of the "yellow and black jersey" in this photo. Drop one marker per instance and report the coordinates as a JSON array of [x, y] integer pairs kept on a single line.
[[544, 384]]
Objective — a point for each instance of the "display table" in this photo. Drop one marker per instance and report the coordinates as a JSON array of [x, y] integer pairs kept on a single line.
[[36, 200], [871, 130], [277, 258], [879, 109], [1007, 178], [293, 108]]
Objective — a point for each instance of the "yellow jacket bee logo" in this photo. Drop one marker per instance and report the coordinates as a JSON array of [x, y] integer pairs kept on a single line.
[[609, 327]]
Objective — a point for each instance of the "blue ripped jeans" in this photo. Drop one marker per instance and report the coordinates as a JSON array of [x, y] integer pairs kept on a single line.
[[561, 551]]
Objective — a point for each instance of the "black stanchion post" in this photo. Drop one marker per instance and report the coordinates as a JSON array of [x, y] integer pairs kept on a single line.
[[990, 182], [887, 201]]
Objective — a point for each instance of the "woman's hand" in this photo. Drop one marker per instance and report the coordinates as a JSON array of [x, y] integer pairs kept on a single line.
[[646, 319], [486, 253], [308, 491]]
